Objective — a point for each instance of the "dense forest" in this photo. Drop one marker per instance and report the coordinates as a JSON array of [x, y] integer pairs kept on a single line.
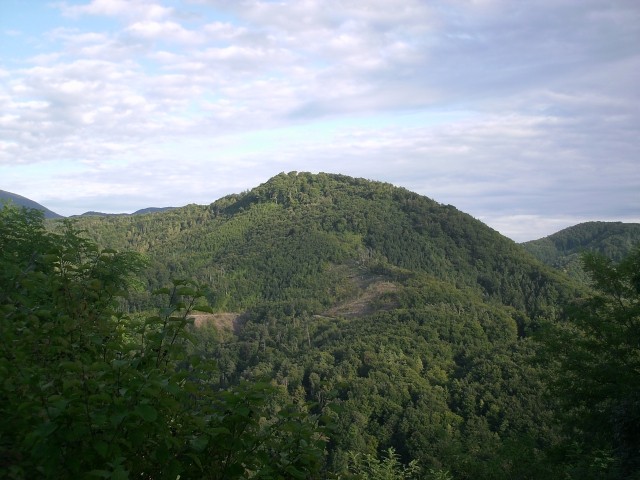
[[563, 250], [317, 326]]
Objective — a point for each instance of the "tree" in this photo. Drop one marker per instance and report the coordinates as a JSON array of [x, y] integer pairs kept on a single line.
[[388, 468], [597, 379], [88, 391]]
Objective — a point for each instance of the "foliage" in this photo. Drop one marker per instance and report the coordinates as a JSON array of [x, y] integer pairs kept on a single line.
[[407, 323], [283, 240], [563, 250], [597, 377], [89, 392], [368, 467]]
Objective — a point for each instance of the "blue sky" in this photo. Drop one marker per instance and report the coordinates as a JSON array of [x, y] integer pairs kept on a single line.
[[523, 114]]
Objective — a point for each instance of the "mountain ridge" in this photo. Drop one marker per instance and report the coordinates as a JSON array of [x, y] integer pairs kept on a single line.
[[531, 245], [49, 214], [142, 211], [26, 202]]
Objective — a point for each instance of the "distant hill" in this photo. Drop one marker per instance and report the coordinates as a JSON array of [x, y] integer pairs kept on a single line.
[[562, 250], [98, 214], [143, 211], [25, 202]]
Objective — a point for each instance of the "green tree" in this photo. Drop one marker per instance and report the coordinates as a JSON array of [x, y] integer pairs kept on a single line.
[[87, 391], [387, 468], [598, 371]]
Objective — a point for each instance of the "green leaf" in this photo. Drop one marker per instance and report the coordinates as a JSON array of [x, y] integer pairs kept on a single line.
[[46, 429], [102, 448], [152, 319], [100, 473], [203, 308], [119, 363], [117, 418], [199, 443], [120, 474], [219, 431], [196, 459], [186, 291], [146, 412], [294, 472]]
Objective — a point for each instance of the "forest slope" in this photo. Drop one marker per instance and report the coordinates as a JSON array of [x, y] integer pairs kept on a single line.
[[562, 250], [406, 320], [302, 236]]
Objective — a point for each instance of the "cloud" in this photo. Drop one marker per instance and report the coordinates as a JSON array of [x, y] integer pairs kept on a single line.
[[118, 8], [508, 110], [167, 31]]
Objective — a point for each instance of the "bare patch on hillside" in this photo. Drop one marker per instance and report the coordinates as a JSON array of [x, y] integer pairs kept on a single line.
[[224, 322], [371, 298]]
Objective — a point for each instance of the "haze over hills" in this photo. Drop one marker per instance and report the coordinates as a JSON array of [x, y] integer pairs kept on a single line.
[[539, 247], [561, 250]]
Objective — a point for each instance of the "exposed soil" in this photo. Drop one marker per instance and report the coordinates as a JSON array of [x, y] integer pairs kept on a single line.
[[367, 300], [223, 322]]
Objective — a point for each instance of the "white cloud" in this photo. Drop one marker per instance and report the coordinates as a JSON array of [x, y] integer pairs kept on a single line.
[[118, 8], [508, 110], [224, 31], [167, 31]]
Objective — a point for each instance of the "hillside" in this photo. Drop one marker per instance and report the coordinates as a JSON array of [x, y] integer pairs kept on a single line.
[[303, 236], [137, 212], [406, 320], [563, 249], [25, 202]]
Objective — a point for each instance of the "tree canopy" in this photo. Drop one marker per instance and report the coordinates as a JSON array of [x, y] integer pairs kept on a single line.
[[596, 379], [376, 334], [90, 392]]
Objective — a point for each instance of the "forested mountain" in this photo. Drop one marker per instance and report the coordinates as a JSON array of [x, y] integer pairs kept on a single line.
[[143, 211], [563, 249], [413, 331], [137, 212], [411, 316], [306, 237], [25, 202]]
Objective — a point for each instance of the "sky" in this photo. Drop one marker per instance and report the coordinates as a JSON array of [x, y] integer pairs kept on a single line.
[[524, 114]]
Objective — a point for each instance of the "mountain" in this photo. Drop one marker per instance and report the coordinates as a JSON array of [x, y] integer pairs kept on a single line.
[[563, 249], [416, 332], [408, 322], [143, 211], [309, 231], [25, 202]]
